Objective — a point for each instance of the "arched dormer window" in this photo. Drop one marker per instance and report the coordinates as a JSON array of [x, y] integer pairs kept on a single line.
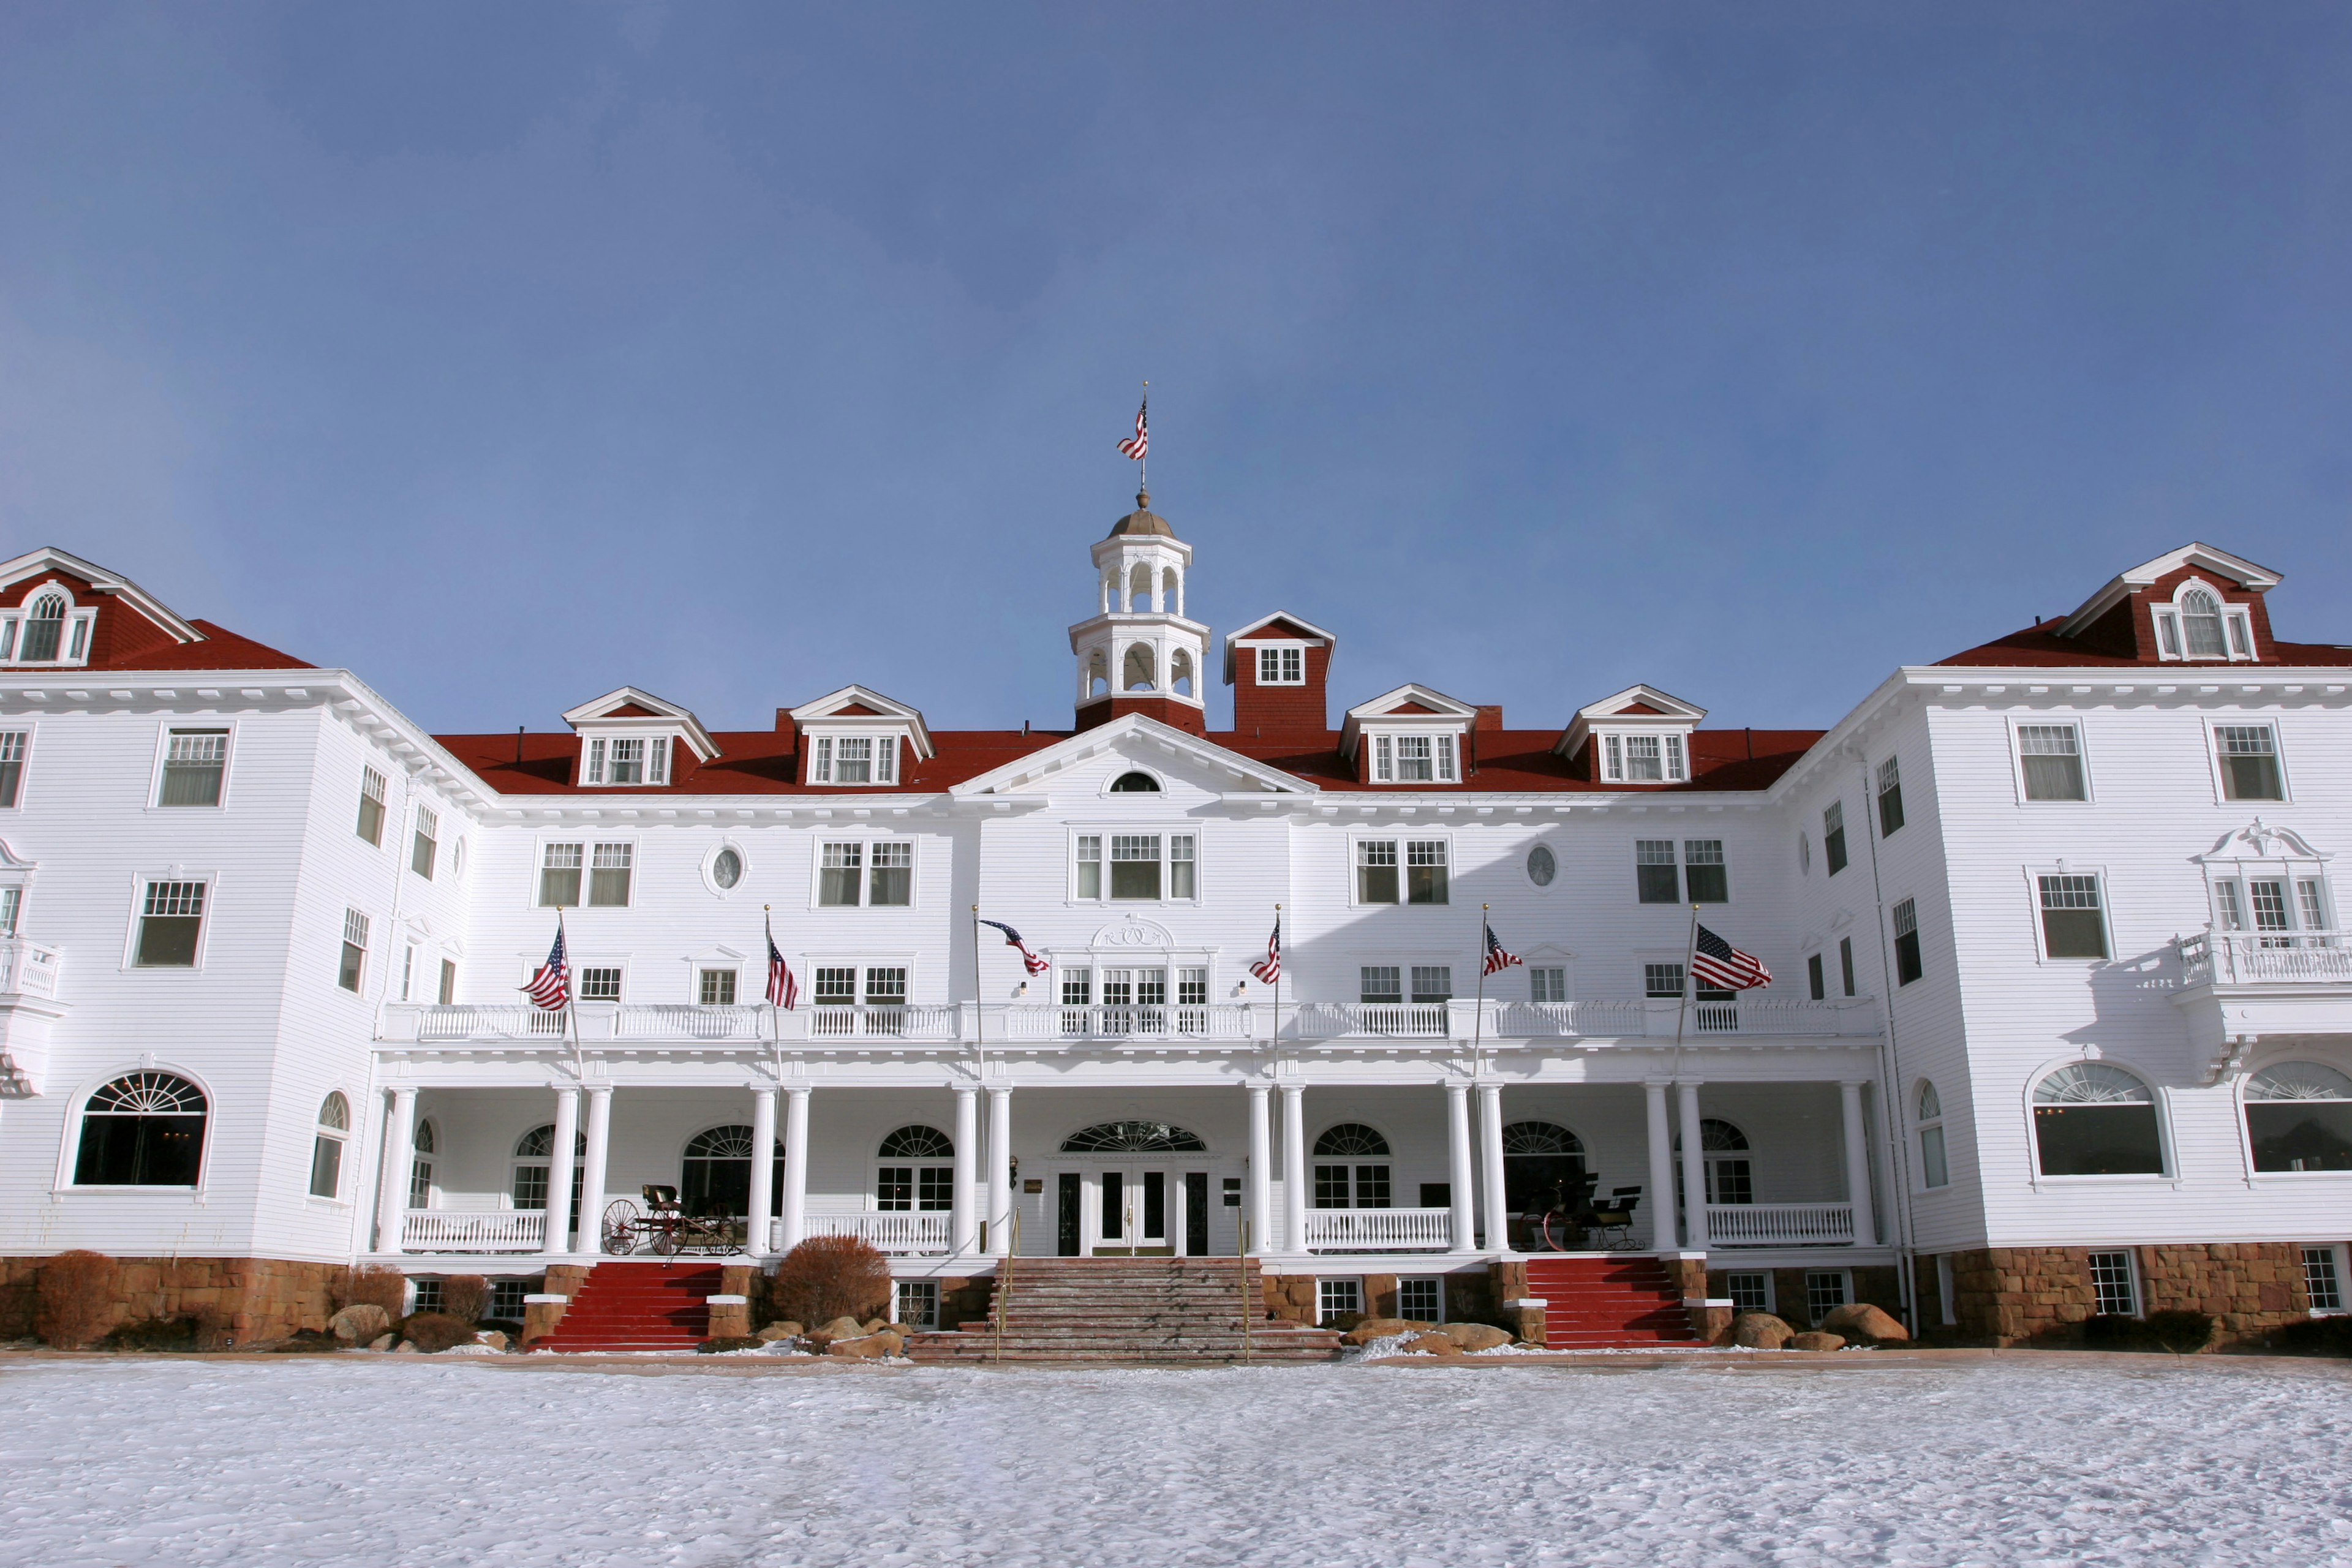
[[1935, 1169], [2198, 624], [47, 630], [905, 1181], [143, 1129], [2093, 1120], [326, 1146], [2299, 1118], [1135, 783]]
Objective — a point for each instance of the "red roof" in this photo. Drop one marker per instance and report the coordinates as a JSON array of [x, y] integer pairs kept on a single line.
[[221, 649], [2041, 647]]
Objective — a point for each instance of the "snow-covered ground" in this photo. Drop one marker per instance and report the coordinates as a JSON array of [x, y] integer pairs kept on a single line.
[[352, 1461]]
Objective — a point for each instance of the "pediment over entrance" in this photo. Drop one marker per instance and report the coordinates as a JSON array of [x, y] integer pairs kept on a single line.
[[1134, 932]]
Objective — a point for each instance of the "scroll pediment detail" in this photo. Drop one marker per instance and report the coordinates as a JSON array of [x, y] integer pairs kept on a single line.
[[1134, 932]]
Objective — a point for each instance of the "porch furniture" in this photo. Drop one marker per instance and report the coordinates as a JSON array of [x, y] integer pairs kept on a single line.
[[1616, 1215]]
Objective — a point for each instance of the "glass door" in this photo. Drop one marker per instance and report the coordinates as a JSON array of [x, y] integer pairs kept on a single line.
[[1132, 1217]]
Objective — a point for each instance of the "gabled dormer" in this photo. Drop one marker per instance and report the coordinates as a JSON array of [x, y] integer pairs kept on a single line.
[[2195, 605], [633, 740], [1410, 736], [1278, 666], [59, 611], [1640, 736], [857, 738]]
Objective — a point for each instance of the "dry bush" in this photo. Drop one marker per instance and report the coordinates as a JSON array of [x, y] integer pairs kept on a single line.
[[75, 1300], [829, 1277], [466, 1296], [385, 1288], [437, 1330]]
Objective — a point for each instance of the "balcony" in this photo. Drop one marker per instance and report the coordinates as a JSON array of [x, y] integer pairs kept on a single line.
[[1198, 1021], [28, 1007], [1780, 1225], [1379, 1230], [2238, 987], [2252, 958]]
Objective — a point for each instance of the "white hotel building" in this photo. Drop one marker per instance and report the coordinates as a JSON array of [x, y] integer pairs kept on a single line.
[[2061, 1019]]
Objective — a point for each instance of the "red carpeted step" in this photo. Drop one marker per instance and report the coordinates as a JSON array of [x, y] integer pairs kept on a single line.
[[1593, 1303], [637, 1306]]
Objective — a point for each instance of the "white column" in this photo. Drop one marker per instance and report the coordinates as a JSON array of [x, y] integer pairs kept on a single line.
[[1490, 1157], [1857, 1164], [399, 1158], [763, 1171], [797, 1135], [1261, 1170], [1294, 1167], [559, 1172], [967, 1169], [1694, 1168], [1662, 1167], [1000, 1172], [592, 1172], [1457, 1165]]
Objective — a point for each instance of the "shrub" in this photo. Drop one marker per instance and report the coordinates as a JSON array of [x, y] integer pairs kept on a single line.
[[2314, 1336], [74, 1298], [729, 1343], [2114, 1331], [437, 1330], [466, 1296], [152, 1334], [2180, 1331], [829, 1277], [385, 1288]]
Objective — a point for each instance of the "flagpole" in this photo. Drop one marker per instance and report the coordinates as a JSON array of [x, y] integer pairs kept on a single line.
[[1690, 983], [768, 929], [1143, 472], [1478, 1033], [1274, 1034]]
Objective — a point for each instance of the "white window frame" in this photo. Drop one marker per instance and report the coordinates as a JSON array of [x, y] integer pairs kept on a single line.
[[1847, 1276], [864, 839], [131, 964], [593, 842], [346, 1135], [163, 750], [1436, 1279], [1771, 1293], [2343, 1259], [1327, 1285], [30, 731], [711, 866], [2138, 1287], [2159, 1098], [74, 637], [1106, 832], [69, 1150], [425, 828], [582, 964], [1401, 836], [2214, 724], [2168, 620], [2033, 875], [1923, 1125], [863, 960], [1278, 654], [539, 846], [2018, 724], [1445, 755], [882, 759], [598, 757], [356, 922], [1674, 755]]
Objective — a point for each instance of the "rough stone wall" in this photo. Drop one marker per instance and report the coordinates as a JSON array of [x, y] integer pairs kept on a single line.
[[1291, 1296], [965, 1301], [2011, 1294], [260, 1298], [1380, 1296]]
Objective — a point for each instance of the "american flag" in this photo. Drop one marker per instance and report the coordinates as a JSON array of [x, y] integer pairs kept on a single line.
[[784, 991], [1714, 961], [551, 988], [1138, 444], [1269, 968], [1498, 957], [1030, 961]]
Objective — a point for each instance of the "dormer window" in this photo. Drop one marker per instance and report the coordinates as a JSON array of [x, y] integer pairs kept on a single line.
[[49, 630], [626, 738], [626, 761], [1282, 666], [854, 759], [2199, 624], [1414, 759], [1643, 759], [1640, 736]]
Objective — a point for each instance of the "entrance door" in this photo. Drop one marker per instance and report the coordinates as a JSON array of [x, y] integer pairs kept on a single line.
[[1068, 1222], [1196, 1214], [1132, 1214]]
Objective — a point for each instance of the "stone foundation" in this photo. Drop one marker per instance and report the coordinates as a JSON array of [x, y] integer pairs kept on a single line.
[[258, 1299], [1880, 1288], [967, 1300], [2012, 1294]]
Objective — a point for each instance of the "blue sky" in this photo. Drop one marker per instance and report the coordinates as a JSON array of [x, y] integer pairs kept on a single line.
[[509, 353]]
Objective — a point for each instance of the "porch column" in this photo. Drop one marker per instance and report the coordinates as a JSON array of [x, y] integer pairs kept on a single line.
[[592, 1174], [796, 1135], [1694, 1168], [1662, 1167], [763, 1171], [399, 1158], [559, 1172], [1294, 1167], [1457, 1165], [967, 1169], [1000, 1172], [1857, 1163], [1261, 1170], [1490, 1155]]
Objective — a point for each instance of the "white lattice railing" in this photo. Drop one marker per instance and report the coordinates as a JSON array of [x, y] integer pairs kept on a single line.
[[2264, 958], [1780, 1225], [1379, 1230], [486, 1230], [899, 1235]]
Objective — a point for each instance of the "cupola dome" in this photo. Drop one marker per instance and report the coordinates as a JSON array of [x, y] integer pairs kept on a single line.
[[1142, 520]]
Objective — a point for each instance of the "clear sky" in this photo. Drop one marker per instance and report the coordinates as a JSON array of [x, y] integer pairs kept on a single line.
[[506, 354]]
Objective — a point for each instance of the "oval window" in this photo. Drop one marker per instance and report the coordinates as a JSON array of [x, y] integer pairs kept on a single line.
[[1541, 865], [727, 869]]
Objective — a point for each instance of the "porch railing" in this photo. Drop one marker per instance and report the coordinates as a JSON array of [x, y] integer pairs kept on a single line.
[[678, 1021], [2264, 958], [481, 1230], [1331, 1020], [898, 1234], [1780, 1225], [1205, 1021], [924, 1022], [1379, 1230]]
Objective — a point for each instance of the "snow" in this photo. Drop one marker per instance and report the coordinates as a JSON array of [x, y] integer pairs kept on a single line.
[[1863, 1459]]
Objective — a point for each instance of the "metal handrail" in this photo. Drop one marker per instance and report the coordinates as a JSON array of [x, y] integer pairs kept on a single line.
[[1004, 1281], [1242, 1257]]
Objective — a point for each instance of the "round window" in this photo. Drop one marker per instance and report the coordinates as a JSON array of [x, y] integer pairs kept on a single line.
[[1540, 866], [727, 869]]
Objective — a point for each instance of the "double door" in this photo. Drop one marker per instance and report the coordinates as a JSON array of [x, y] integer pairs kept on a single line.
[[1132, 1211]]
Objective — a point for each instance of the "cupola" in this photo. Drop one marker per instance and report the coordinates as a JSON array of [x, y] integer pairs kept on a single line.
[[633, 740], [1138, 653]]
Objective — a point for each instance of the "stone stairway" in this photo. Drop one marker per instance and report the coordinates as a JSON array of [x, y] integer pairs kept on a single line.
[[637, 1306], [1127, 1309], [1608, 1303]]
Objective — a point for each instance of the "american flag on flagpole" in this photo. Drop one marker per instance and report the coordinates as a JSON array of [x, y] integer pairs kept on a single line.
[[1714, 961], [1030, 961], [784, 991], [550, 989], [1137, 445], [1498, 957], [1269, 968]]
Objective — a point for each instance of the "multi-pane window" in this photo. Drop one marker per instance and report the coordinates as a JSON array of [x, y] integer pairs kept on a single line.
[[1421, 1298], [1833, 836], [1908, 967], [1338, 1299], [407, 969], [2322, 1281], [841, 874], [1643, 759], [2250, 764], [1180, 883], [559, 876], [919, 1303], [1826, 1290], [2073, 924], [600, 982], [427, 845], [2092, 1118], [448, 981], [1816, 986], [1661, 980], [171, 919], [608, 875], [834, 987], [194, 764], [1704, 876], [716, 988], [1426, 871], [880, 873], [13, 744], [1890, 798], [354, 954], [1655, 879], [1934, 1170], [326, 1146], [1414, 759], [1089, 866], [12, 909], [1141, 863], [1546, 984], [1077, 987], [2115, 1283], [1135, 865], [1846, 963], [885, 986], [893, 878], [371, 822], [1281, 666], [1381, 983], [1750, 1290], [420, 1167], [854, 759], [2051, 756], [1432, 982], [1376, 871], [2200, 626]]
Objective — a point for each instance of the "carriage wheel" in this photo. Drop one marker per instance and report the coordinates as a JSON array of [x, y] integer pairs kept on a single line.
[[665, 1236], [620, 1227]]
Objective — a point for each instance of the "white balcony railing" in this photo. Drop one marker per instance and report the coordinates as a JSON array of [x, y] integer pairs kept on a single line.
[[1780, 1225], [926, 1023], [1200, 1021], [898, 1234], [1410, 1020], [1379, 1230], [2264, 958], [483, 1230], [679, 1021], [27, 968]]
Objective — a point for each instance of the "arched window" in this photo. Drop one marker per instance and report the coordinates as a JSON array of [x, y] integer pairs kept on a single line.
[[2093, 1120], [143, 1129], [2200, 624], [1135, 783], [533, 1152], [1180, 672], [1171, 591], [1543, 1167], [1136, 675], [904, 1182], [1934, 1170], [1139, 589], [1357, 1176], [2299, 1118], [1133, 1138], [420, 1169], [1098, 674], [43, 628], [326, 1146], [715, 1177], [1730, 1178]]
